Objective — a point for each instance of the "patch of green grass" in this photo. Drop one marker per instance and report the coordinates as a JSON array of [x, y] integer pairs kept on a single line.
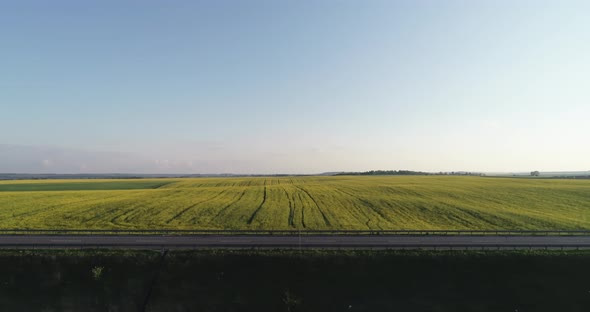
[[88, 185], [313, 203]]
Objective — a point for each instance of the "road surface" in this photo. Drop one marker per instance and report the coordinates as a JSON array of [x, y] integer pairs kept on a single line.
[[368, 241]]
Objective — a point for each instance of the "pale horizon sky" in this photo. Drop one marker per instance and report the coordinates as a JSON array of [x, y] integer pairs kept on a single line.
[[294, 86]]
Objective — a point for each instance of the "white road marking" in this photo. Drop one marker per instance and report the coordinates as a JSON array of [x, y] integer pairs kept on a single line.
[[235, 241], [65, 241]]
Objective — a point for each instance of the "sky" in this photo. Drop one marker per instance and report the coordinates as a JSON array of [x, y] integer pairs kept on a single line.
[[293, 86]]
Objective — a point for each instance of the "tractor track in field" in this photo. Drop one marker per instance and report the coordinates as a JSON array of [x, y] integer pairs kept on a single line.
[[184, 210], [326, 221], [227, 206], [117, 216], [41, 210], [302, 209], [259, 207], [126, 215], [359, 209], [371, 206], [291, 210], [77, 202], [108, 211]]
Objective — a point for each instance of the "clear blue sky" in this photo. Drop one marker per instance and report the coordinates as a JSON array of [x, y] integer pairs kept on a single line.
[[294, 86]]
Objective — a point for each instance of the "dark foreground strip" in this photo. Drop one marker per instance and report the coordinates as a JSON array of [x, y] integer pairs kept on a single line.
[[148, 295]]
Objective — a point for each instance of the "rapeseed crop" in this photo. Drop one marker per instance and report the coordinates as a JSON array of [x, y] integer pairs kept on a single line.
[[312, 203]]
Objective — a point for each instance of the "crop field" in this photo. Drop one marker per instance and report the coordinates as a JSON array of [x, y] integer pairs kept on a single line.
[[283, 203]]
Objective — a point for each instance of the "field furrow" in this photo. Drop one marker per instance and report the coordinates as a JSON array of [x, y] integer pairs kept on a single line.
[[251, 219], [316, 203]]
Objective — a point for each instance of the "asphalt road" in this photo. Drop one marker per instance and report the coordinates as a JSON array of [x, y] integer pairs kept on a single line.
[[374, 241]]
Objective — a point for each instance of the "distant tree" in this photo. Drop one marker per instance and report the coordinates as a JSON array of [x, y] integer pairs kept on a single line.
[[535, 173]]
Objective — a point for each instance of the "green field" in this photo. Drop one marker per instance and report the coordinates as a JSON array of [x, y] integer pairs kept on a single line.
[[358, 202], [80, 185]]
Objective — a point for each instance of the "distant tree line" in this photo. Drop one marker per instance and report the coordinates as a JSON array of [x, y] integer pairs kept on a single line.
[[385, 172], [407, 172]]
